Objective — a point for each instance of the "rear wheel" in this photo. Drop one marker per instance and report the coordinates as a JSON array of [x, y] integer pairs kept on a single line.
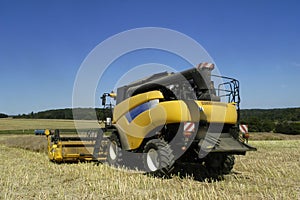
[[158, 158], [114, 151], [220, 163], [228, 164]]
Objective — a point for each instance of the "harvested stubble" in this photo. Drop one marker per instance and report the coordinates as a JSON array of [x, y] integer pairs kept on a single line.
[[270, 173], [27, 142]]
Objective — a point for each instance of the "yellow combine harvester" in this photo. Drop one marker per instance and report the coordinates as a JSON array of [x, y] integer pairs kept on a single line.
[[167, 118], [177, 117]]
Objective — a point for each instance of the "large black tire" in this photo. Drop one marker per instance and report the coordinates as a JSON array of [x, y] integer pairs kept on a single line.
[[158, 158], [220, 164], [114, 151], [228, 164]]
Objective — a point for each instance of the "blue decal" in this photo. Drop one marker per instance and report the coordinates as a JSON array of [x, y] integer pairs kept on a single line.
[[132, 114]]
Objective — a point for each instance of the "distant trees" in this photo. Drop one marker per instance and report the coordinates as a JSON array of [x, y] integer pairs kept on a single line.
[[288, 128], [81, 113], [275, 115], [286, 120], [257, 125], [2, 115], [49, 114]]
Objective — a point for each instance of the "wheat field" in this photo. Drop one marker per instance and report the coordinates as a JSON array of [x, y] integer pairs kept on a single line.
[[270, 173]]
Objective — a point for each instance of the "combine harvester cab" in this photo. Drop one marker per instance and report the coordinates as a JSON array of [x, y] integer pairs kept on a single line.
[[178, 117]]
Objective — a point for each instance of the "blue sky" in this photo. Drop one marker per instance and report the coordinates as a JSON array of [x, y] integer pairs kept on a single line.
[[43, 43]]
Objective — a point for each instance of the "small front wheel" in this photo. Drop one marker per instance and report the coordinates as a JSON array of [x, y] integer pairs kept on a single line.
[[114, 151], [158, 158]]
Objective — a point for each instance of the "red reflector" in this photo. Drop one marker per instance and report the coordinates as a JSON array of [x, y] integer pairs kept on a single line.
[[189, 127]]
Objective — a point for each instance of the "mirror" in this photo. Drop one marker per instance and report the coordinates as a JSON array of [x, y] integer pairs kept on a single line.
[[103, 98]]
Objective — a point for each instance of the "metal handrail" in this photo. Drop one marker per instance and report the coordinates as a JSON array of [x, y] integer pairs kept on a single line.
[[231, 88]]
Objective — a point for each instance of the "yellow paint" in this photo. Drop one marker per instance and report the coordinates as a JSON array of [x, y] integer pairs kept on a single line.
[[218, 112]]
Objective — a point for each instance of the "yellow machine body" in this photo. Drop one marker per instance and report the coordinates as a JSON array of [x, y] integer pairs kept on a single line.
[[149, 113]]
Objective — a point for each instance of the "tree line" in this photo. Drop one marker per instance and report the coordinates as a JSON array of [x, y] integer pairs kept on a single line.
[[285, 120], [80, 113], [2, 115]]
